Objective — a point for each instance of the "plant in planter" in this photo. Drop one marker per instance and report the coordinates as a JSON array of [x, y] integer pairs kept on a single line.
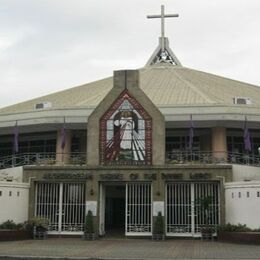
[[9, 224], [239, 233], [89, 229], [9, 231], [206, 211], [38, 227], [158, 228]]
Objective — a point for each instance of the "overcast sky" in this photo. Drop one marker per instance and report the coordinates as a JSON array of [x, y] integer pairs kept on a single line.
[[50, 45]]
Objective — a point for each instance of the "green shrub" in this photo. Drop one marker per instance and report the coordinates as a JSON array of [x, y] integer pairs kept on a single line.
[[10, 224], [89, 224], [158, 227], [41, 224]]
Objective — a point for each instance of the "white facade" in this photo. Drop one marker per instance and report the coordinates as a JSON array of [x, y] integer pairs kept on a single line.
[[14, 201], [245, 173], [243, 203], [14, 195]]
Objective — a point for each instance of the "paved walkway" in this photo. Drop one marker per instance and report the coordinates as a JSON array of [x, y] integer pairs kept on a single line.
[[72, 248]]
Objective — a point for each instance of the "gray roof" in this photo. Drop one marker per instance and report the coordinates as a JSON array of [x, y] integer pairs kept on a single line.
[[165, 85]]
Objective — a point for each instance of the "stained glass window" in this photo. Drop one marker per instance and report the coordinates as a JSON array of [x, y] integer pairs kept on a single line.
[[125, 131]]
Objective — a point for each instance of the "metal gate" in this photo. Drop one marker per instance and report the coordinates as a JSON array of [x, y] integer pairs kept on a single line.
[[138, 209], [184, 213], [63, 204]]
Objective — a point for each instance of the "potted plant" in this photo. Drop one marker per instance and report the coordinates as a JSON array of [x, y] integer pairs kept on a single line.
[[205, 209], [89, 230], [158, 228], [38, 227]]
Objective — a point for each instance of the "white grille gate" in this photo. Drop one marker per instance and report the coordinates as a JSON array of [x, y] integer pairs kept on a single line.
[[138, 209], [178, 217], [63, 204], [183, 214], [202, 190]]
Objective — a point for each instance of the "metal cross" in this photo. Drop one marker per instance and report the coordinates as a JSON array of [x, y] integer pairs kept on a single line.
[[162, 16]]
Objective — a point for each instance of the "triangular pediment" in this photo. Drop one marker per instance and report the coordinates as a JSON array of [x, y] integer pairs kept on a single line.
[[163, 54]]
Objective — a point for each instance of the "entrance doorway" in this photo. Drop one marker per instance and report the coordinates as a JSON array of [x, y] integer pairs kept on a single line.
[[126, 209], [115, 209], [112, 209]]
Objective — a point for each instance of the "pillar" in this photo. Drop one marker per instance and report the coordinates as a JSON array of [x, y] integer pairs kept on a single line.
[[158, 197], [92, 200], [219, 143], [63, 155]]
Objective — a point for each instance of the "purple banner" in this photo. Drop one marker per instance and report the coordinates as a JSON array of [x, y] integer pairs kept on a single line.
[[63, 137], [191, 133], [16, 138], [247, 139]]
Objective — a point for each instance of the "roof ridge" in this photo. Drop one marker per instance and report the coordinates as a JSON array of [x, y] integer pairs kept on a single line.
[[194, 88], [223, 77]]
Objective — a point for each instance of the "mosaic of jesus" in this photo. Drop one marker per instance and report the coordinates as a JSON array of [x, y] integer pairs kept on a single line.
[[125, 135]]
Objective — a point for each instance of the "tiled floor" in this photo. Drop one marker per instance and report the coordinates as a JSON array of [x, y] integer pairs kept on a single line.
[[73, 248]]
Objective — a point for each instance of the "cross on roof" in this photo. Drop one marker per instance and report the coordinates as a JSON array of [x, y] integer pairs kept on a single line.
[[162, 16]]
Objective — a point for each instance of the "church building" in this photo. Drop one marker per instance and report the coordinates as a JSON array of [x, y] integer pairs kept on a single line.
[[156, 139]]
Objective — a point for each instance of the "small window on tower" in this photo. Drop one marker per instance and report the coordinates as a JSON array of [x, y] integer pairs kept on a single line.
[[0, 193], [248, 194], [258, 194], [239, 194], [18, 193], [10, 193], [232, 195]]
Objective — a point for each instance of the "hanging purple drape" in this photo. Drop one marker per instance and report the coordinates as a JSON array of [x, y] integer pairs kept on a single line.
[[16, 138], [191, 133], [247, 139], [63, 136]]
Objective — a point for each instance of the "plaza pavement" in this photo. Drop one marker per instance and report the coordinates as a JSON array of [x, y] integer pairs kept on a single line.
[[75, 248]]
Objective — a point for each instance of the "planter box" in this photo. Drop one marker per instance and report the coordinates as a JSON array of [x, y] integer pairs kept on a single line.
[[207, 234], [240, 237], [90, 236], [158, 237], [11, 235], [40, 235]]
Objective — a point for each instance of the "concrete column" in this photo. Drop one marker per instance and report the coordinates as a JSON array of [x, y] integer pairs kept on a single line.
[[219, 143], [63, 155], [158, 197], [92, 197]]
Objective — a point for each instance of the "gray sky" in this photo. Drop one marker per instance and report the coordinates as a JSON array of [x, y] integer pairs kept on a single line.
[[50, 45]]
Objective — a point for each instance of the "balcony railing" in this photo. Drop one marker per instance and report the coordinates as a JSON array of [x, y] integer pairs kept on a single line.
[[176, 157], [42, 159], [200, 157]]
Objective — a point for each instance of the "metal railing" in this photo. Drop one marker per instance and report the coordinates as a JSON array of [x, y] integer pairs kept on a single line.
[[176, 157], [201, 157], [42, 159]]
